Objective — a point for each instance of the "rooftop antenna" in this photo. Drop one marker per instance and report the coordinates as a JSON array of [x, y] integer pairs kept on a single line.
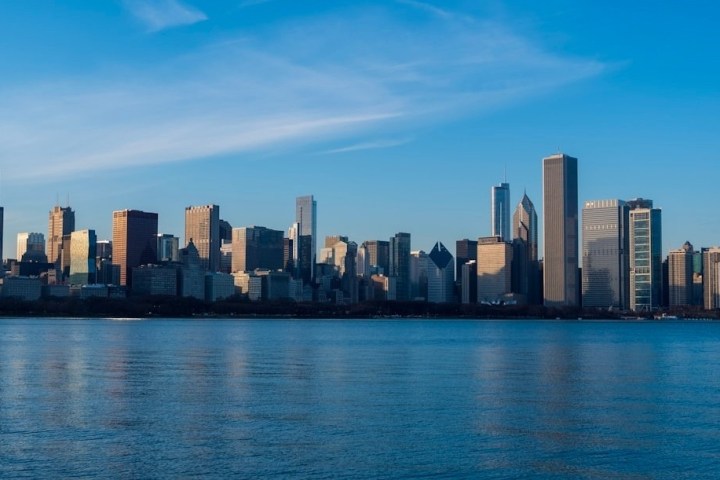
[[57, 199], [68, 200], [505, 173]]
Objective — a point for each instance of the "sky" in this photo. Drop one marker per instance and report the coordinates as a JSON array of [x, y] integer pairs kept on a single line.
[[396, 115]]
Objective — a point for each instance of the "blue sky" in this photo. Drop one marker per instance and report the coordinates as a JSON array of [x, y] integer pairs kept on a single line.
[[396, 115]]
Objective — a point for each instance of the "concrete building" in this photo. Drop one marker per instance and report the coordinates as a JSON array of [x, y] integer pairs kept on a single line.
[[680, 276], [561, 283], [257, 248], [605, 253], [202, 227], [61, 222], [500, 214], [83, 252], [525, 267], [494, 269], [440, 275], [134, 239], [399, 266], [646, 260]]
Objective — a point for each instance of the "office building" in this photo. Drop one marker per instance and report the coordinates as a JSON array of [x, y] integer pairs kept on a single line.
[[465, 251], [83, 252], [680, 276], [257, 247], [440, 275], [202, 227], [525, 268], [711, 278], [468, 282], [155, 280], [134, 240], [306, 220], [399, 264], [168, 247], [30, 242], [646, 260], [378, 256], [605, 267], [419, 265], [560, 215], [191, 273], [494, 269], [61, 222], [500, 215]]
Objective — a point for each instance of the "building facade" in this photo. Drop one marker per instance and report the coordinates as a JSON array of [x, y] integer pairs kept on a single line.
[[83, 252], [257, 247], [680, 276], [500, 214], [399, 264], [645, 226], [525, 269], [560, 223], [494, 269], [711, 278], [306, 220], [605, 254], [134, 240], [202, 227], [61, 222], [440, 275]]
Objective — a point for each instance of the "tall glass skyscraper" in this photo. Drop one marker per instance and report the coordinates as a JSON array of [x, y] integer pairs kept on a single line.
[[605, 280], [500, 197], [306, 219], [525, 273], [400, 264], [83, 248], [560, 223], [645, 255]]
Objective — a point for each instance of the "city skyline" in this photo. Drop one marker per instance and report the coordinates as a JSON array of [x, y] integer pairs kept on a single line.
[[97, 97]]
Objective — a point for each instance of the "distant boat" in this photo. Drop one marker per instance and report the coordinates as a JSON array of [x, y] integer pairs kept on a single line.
[[665, 316]]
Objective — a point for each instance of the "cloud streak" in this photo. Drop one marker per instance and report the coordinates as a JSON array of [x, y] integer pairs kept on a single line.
[[281, 88], [162, 14]]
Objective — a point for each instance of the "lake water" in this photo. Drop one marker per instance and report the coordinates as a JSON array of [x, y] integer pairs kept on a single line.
[[359, 399]]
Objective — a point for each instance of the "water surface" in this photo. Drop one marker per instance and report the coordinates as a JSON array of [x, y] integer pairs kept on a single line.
[[359, 399]]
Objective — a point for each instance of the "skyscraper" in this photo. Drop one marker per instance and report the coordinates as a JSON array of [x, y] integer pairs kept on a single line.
[[440, 275], [711, 278], [306, 218], [134, 240], [29, 242], [560, 220], [645, 228], [493, 268], [202, 226], [400, 264], [83, 250], [605, 281], [500, 198], [61, 221], [378, 253], [680, 276], [465, 251], [525, 269], [257, 247]]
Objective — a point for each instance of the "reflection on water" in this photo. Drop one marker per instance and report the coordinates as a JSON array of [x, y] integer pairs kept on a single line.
[[329, 399]]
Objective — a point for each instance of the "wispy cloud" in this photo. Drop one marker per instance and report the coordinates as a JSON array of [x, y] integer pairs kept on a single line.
[[161, 14], [372, 145], [278, 89], [427, 7]]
